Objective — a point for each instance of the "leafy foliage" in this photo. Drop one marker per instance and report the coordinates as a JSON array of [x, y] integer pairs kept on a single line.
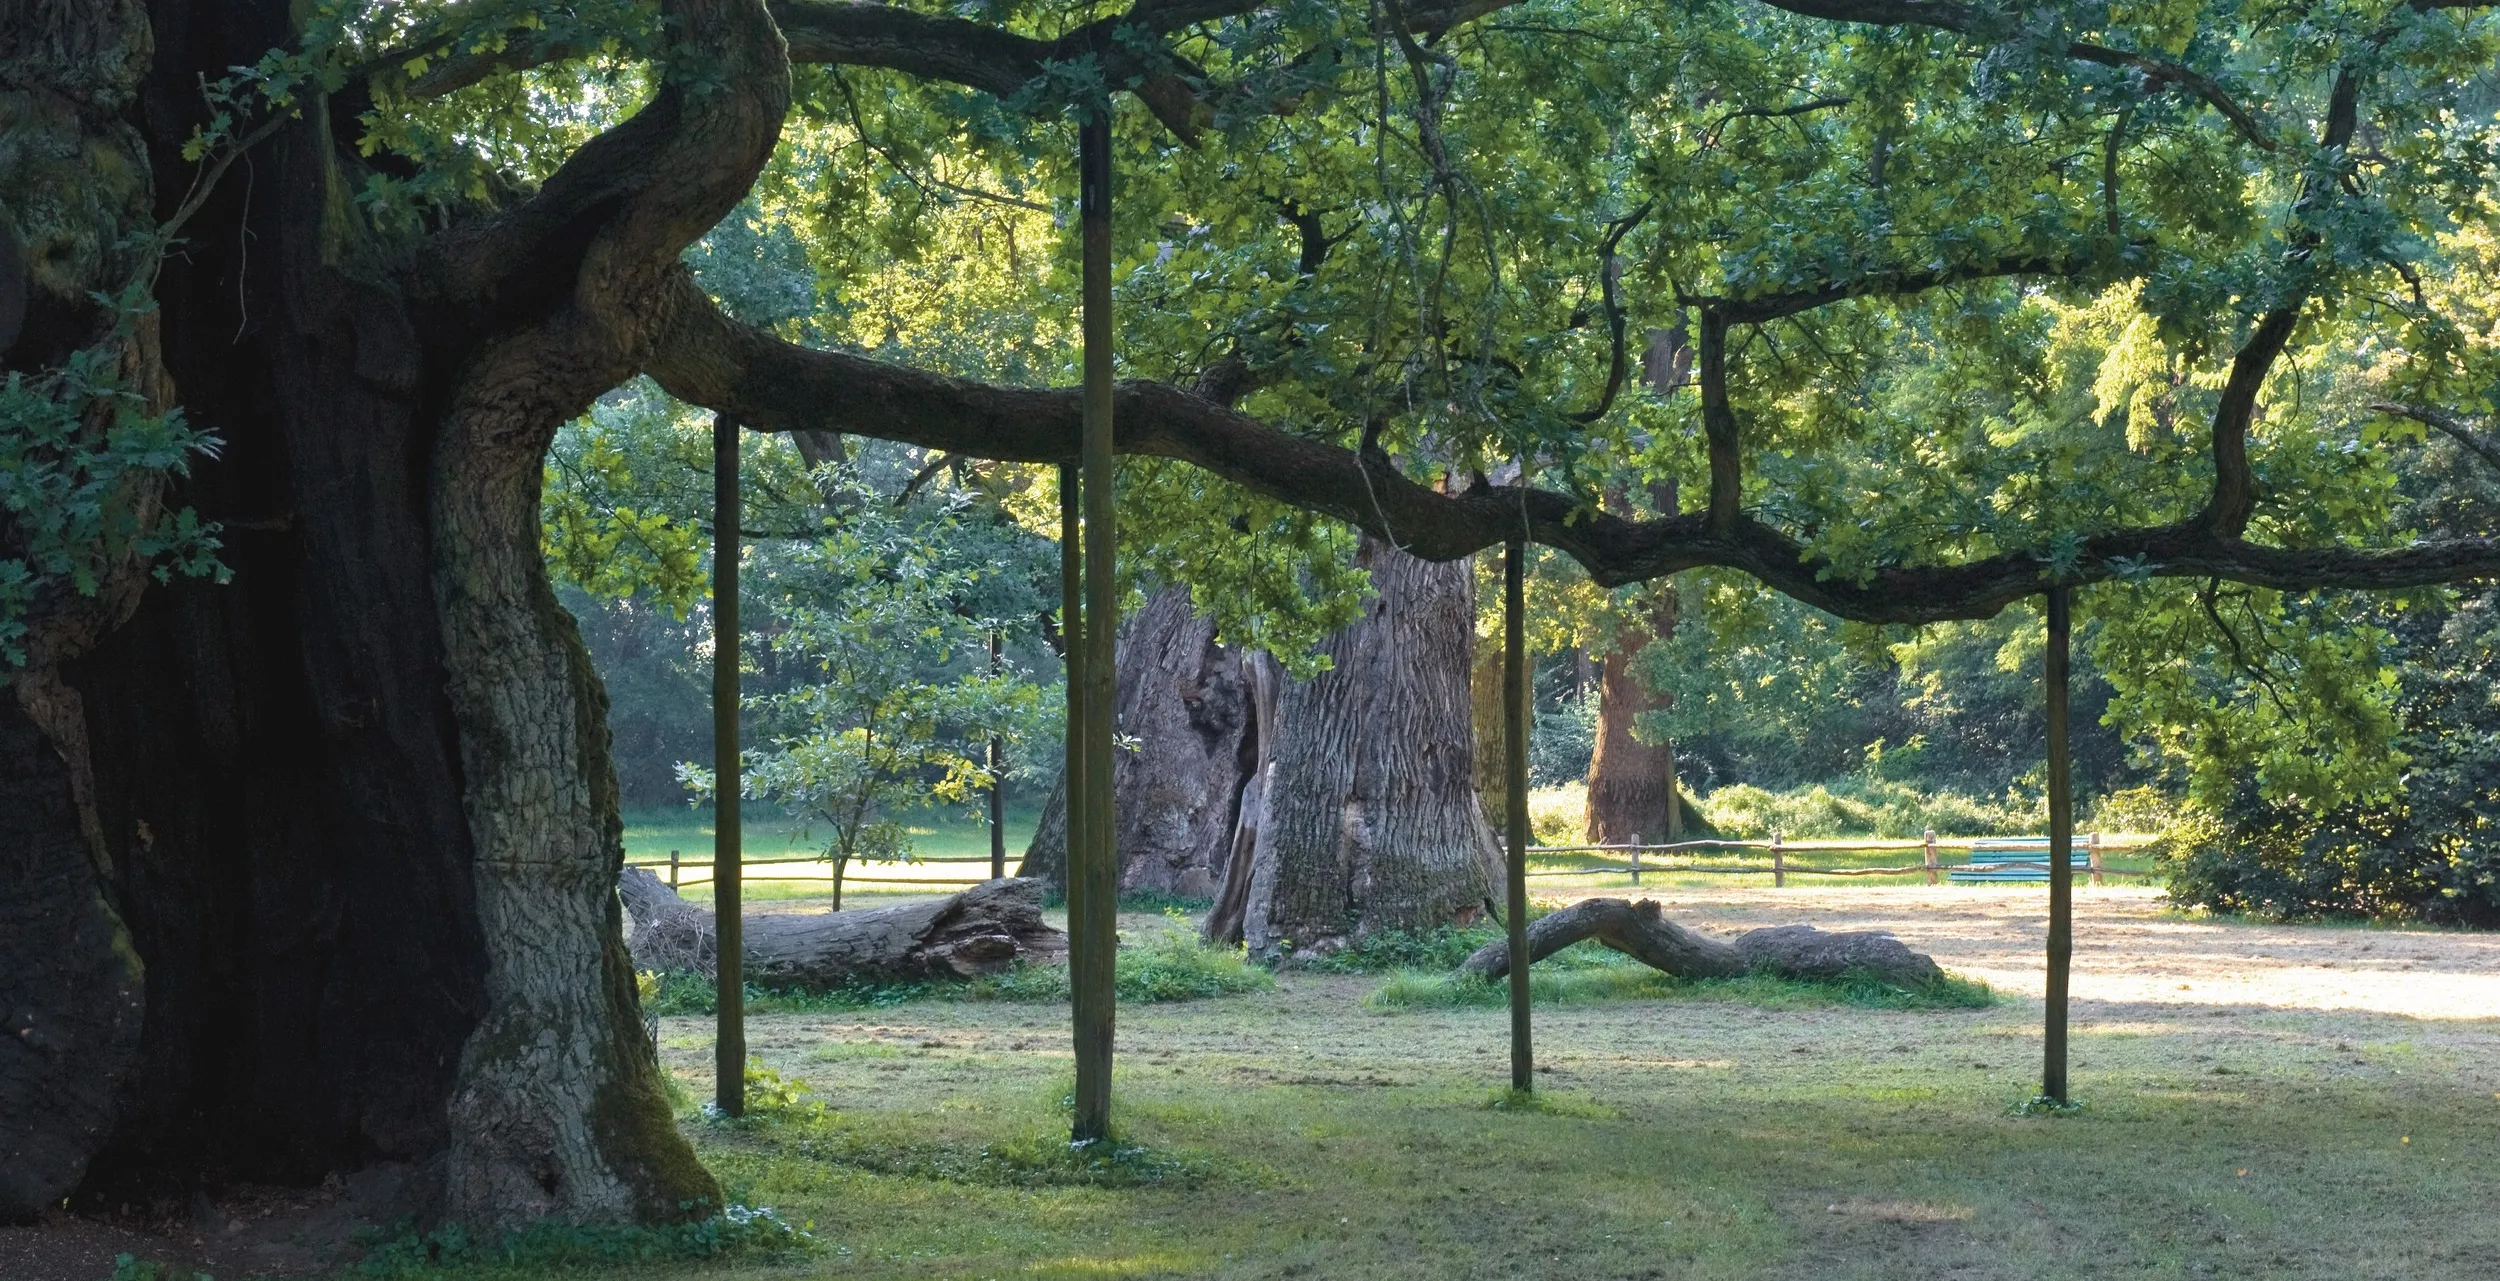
[[881, 614], [78, 446], [2425, 853]]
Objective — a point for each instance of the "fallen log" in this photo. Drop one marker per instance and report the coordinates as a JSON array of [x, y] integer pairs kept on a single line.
[[1641, 931], [982, 930]]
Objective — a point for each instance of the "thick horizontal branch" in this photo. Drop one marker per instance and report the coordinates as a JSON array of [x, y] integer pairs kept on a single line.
[[771, 385], [976, 55]]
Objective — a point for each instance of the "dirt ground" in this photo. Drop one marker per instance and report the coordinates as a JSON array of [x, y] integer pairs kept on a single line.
[[2130, 951], [2268, 1101]]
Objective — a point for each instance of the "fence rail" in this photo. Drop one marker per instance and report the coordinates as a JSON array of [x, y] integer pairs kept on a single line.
[[1779, 869], [676, 867]]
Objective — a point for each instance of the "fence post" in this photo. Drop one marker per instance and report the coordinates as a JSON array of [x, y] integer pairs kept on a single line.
[[2095, 840], [1636, 860], [672, 869], [1779, 863], [1931, 856]]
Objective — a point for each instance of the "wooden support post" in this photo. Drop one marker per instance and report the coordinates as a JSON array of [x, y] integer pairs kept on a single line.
[[1636, 860], [729, 1058], [2094, 840], [998, 785], [1515, 802], [2062, 862], [1779, 863], [1931, 856], [1093, 881], [672, 869]]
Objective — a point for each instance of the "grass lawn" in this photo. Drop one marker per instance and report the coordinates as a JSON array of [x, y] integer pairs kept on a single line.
[[2245, 1118], [649, 836]]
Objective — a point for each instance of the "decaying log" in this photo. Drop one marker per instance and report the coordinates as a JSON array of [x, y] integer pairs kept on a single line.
[[1641, 931], [982, 930]]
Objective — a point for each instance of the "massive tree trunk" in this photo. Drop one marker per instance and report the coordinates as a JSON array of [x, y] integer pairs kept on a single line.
[[982, 930], [75, 203], [1369, 818], [1484, 693], [1632, 785], [345, 829], [1176, 793]]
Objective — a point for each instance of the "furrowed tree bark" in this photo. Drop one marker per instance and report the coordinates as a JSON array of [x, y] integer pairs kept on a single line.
[[557, 1112], [982, 930], [1185, 701], [1641, 931], [1369, 818], [1633, 790], [76, 206]]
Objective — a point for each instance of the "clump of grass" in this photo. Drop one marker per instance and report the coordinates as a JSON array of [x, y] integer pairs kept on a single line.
[[1439, 948], [772, 1099], [1174, 966], [1548, 1103], [1585, 978], [737, 1231], [2043, 1105], [1032, 1161], [128, 1267]]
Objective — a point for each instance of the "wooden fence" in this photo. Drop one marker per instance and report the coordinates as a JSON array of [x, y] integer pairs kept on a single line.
[[676, 867], [1779, 869], [1638, 859]]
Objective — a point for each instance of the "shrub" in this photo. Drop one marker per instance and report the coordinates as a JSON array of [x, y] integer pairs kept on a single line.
[[1558, 815], [2135, 809], [1862, 806], [2395, 861]]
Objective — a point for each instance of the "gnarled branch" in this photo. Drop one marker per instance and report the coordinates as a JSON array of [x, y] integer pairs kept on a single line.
[[1965, 20], [707, 359]]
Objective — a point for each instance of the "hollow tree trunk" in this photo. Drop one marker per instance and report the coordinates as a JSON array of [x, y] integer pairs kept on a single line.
[[76, 204], [355, 809], [982, 930], [1641, 931], [1369, 818], [1176, 795]]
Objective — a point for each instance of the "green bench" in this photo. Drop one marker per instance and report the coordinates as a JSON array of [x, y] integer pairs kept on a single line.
[[1989, 859]]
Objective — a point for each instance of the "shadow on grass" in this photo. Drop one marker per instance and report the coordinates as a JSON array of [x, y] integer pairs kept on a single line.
[[1629, 981]]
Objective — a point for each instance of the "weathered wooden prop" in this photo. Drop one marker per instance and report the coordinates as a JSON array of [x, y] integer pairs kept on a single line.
[[982, 930], [1641, 931]]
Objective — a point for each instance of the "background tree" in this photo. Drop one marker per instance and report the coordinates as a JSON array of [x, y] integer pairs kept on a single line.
[[895, 698]]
